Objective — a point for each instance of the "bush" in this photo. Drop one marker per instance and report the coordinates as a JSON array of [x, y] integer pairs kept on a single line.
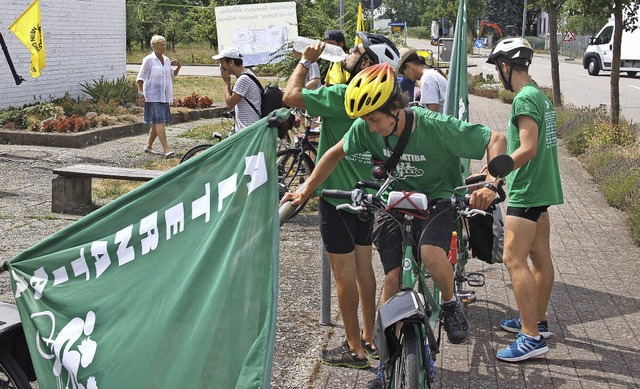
[[420, 32], [506, 96], [44, 110], [120, 90], [13, 118], [194, 101], [536, 43], [619, 189], [576, 141], [634, 221], [62, 125]]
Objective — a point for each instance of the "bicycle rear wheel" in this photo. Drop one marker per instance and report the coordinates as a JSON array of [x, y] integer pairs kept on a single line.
[[11, 375], [194, 151], [294, 167], [408, 367]]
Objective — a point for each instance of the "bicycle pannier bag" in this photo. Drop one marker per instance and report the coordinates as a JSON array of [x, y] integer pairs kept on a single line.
[[486, 236]]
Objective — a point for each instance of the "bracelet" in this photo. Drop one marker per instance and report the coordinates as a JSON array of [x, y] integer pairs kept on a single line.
[[491, 186]]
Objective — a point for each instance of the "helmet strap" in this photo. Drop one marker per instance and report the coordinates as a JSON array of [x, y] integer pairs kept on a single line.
[[395, 125], [356, 68], [507, 82]]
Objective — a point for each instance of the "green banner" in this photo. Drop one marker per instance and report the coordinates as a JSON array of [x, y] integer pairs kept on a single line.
[[456, 103], [173, 285]]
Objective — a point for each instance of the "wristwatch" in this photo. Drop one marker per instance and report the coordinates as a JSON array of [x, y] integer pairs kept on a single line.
[[305, 63], [490, 186]]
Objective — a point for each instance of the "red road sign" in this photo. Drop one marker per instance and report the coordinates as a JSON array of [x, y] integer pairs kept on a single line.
[[569, 36]]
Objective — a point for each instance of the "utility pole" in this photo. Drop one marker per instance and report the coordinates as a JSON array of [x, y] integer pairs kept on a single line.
[[341, 13], [524, 18]]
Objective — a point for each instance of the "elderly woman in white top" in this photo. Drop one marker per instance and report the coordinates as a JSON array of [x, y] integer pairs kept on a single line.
[[155, 92]]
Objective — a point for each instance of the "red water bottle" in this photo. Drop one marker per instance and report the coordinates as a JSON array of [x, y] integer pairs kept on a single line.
[[453, 250]]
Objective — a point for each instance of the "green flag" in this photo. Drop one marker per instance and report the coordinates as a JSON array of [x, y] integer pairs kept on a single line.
[[173, 285], [456, 103]]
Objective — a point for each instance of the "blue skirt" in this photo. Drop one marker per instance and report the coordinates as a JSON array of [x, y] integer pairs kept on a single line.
[[156, 113]]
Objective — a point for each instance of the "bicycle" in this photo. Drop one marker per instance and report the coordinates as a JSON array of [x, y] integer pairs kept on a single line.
[[409, 324], [16, 368], [227, 123], [295, 163]]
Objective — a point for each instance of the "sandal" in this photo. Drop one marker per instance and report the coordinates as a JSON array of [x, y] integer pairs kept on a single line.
[[368, 348], [148, 150], [170, 154]]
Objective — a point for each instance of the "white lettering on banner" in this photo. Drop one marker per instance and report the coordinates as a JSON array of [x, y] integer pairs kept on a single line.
[[202, 206], [174, 219], [38, 282], [226, 188], [149, 226], [21, 284], [255, 168], [101, 255], [125, 252], [60, 276], [79, 265]]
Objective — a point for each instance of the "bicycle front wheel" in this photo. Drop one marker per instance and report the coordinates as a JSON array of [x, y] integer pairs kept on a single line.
[[408, 370], [11, 375], [294, 167], [194, 151]]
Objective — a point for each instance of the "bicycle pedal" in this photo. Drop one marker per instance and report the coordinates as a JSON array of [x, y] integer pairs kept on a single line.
[[467, 296], [475, 279]]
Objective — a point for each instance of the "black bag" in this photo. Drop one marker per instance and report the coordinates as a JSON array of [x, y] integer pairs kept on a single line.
[[486, 236], [271, 97], [271, 101]]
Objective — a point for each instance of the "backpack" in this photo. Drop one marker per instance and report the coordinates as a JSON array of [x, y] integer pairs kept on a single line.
[[271, 100], [271, 97]]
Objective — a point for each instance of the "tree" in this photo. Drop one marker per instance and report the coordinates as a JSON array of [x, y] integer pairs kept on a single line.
[[553, 8], [449, 10], [504, 12]]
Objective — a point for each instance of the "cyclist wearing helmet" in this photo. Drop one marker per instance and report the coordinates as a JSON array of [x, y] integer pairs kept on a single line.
[[532, 187], [430, 163], [347, 239]]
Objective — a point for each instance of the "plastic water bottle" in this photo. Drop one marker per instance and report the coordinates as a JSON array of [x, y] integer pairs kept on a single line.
[[331, 52]]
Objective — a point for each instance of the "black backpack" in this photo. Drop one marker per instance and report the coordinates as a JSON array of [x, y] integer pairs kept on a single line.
[[271, 97], [271, 100]]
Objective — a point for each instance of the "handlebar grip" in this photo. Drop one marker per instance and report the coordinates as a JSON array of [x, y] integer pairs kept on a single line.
[[475, 179], [368, 184], [336, 194]]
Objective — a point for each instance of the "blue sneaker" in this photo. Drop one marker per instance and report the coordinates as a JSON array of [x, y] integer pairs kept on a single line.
[[523, 348], [515, 326]]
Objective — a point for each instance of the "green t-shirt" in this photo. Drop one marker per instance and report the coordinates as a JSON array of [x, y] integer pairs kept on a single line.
[[536, 183], [328, 102], [430, 162]]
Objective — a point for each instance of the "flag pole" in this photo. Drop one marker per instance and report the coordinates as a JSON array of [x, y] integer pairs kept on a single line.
[[18, 79]]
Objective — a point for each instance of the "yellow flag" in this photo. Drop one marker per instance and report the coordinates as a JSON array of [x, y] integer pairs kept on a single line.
[[28, 28], [359, 24]]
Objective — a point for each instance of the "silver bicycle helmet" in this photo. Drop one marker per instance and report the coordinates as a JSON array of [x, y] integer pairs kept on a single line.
[[515, 50], [380, 49]]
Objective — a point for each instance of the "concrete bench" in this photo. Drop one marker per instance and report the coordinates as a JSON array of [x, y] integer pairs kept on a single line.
[[71, 189]]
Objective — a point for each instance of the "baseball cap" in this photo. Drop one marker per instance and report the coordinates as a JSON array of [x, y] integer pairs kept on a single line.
[[334, 35], [406, 54], [231, 52]]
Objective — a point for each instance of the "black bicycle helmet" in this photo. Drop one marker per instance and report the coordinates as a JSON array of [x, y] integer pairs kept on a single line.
[[379, 48], [515, 50]]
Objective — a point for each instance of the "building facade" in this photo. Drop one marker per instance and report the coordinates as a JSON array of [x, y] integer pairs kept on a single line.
[[84, 40]]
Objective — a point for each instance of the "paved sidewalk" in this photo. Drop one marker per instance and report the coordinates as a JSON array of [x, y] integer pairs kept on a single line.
[[594, 311]]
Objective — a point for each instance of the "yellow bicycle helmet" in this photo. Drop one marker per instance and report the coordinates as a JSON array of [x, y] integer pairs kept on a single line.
[[370, 90]]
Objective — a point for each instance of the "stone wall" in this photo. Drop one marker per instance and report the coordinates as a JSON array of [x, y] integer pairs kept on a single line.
[[84, 40]]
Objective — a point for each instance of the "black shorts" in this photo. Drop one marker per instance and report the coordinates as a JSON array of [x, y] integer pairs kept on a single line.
[[530, 213], [341, 231], [435, 230]]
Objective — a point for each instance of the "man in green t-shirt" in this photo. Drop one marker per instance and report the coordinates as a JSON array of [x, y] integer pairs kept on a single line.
[[532, 187], [347, 239], [430, 163]]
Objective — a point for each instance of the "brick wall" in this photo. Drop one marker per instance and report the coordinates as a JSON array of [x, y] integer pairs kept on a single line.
[[84, 40]]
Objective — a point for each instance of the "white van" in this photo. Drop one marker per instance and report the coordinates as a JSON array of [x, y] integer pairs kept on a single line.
[[599, 53]]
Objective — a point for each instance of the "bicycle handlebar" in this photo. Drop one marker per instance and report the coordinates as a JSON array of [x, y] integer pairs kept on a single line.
[[337, 194]]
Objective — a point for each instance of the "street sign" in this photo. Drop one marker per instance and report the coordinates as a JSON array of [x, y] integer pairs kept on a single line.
[[569, 36], [479, 43], [366, 4]]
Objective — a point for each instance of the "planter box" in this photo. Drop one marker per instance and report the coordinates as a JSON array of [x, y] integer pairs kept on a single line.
[[93, 135]]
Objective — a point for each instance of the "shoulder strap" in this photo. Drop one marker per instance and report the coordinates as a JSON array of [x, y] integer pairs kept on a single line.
[[392, 162], [251, 76]]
